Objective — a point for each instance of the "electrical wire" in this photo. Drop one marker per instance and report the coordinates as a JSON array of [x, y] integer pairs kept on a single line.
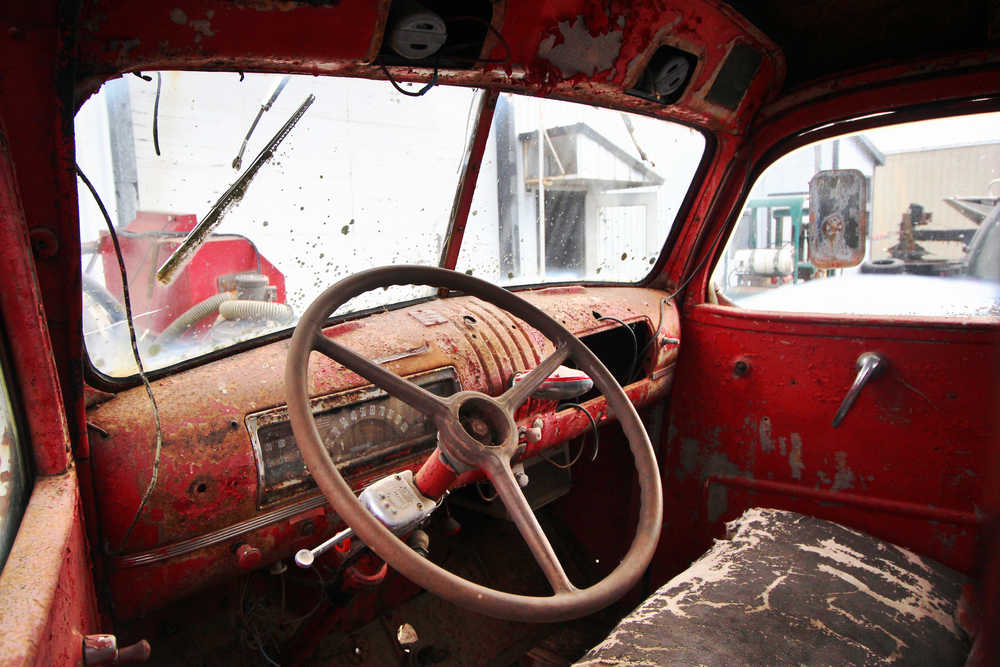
[[156, 115], [635, 345], [659, 325], [593, 425], [701, 263], [569, 463], [482, 496], [423, 91], [319, 603], [597, 445], [135, 353]]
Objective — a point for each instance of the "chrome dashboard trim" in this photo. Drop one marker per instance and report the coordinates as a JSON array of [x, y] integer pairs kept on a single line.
[[218, 536]]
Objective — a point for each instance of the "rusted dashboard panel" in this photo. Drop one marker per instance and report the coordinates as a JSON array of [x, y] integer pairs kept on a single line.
[[215, 491], [365, 431]]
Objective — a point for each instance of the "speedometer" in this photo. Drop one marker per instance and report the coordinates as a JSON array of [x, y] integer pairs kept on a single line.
[[363, 430]]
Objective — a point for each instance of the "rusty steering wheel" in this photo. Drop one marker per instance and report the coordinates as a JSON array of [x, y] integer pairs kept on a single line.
[[458, 445]]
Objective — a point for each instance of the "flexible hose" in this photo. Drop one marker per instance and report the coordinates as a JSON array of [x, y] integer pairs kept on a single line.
[[193, 315], [261, 311]]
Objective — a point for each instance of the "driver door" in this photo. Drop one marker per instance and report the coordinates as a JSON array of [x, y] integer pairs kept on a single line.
[[47, 601]]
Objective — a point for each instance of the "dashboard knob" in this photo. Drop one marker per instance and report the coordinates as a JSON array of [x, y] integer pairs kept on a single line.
[[248, 557]]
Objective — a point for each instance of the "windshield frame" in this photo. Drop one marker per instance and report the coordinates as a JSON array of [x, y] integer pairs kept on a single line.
[[452, 240]]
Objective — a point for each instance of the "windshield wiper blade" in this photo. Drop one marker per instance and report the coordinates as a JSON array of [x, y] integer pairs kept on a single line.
[[197, 236], [265, 106]]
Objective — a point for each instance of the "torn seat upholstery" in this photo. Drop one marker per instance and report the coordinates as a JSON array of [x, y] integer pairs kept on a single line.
[[784, 588]]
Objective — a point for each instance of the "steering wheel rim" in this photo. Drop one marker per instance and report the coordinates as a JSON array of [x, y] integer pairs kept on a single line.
[[567, 602]]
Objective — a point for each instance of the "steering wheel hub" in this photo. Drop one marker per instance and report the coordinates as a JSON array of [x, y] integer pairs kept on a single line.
[[484, 420]]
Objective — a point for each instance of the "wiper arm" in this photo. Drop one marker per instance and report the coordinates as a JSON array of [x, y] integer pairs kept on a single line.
[[266, 106], [197, 236]]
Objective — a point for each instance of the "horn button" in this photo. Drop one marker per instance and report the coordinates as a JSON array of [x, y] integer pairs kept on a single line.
[[484, 421]]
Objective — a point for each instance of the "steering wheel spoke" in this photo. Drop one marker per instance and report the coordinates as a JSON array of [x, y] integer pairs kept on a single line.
[[509, 491], [514, 397], [412, 394]]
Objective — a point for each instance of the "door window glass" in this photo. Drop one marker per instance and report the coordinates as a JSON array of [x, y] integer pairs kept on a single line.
[[933, 226], [13, 472]]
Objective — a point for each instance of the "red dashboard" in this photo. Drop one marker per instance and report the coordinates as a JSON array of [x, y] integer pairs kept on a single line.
[[231, 491]]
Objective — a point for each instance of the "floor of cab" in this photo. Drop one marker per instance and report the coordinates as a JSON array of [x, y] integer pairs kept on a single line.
[[266, 619]]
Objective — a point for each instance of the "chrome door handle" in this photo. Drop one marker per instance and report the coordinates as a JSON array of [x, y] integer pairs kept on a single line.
[[870, 365]]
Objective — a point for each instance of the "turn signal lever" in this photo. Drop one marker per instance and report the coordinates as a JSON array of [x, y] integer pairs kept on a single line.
[[394, 500]]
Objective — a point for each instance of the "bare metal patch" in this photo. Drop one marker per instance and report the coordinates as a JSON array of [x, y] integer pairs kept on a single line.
[[581, 52], [795, 456]]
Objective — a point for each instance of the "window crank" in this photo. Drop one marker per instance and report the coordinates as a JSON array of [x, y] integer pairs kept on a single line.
[[870, 365]]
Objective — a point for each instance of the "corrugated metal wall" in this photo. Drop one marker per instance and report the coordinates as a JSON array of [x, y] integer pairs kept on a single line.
[[926, 178]]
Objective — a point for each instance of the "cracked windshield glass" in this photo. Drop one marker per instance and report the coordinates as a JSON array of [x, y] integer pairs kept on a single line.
[[237, 199]]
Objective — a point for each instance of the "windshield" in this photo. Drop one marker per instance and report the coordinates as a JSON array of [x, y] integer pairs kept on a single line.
[[610, 188], [268, 188]]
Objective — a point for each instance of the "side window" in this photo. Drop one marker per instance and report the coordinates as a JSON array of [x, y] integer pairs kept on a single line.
[[14, 481], [933, 211]]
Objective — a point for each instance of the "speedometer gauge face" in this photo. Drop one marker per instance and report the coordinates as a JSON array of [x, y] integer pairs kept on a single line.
[[363, 430], [356, 430]]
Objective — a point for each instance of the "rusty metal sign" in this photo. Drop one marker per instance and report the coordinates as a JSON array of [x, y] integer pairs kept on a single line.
[[838, 218]]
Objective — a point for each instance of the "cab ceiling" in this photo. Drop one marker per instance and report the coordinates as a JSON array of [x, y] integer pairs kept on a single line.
[[825, 37]]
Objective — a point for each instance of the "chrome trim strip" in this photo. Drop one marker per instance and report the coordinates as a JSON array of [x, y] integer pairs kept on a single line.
[[215, 537]]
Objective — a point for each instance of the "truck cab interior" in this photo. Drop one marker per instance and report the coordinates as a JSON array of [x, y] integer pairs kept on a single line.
[[499, 332]]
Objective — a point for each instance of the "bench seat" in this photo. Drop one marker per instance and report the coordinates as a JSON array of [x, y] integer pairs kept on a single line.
[[785, 588]]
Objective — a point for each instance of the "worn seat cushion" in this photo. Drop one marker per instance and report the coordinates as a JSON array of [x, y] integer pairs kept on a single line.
[[784, 588]]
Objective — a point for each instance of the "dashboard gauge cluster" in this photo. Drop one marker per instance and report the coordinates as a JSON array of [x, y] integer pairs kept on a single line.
[[363, 430]]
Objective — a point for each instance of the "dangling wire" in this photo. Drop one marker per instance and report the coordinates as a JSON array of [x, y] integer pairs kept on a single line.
[[635, 345], [135, 353], [423, 91], [593, 426], [156, 116], [482, 494], [659, 325], [569, 463]]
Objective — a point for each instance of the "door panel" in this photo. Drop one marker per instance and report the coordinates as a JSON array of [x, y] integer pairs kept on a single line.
[[751, 424], [46, 586]]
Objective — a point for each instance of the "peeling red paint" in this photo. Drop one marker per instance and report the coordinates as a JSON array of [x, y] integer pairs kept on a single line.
[[208, 474]]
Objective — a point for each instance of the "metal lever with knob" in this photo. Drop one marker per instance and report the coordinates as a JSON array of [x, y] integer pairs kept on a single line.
[[394, 500], [306, 557], [870, 365]]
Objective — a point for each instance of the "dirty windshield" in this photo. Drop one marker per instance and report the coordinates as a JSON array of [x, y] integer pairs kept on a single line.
[[238, 198], [325, 177]]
